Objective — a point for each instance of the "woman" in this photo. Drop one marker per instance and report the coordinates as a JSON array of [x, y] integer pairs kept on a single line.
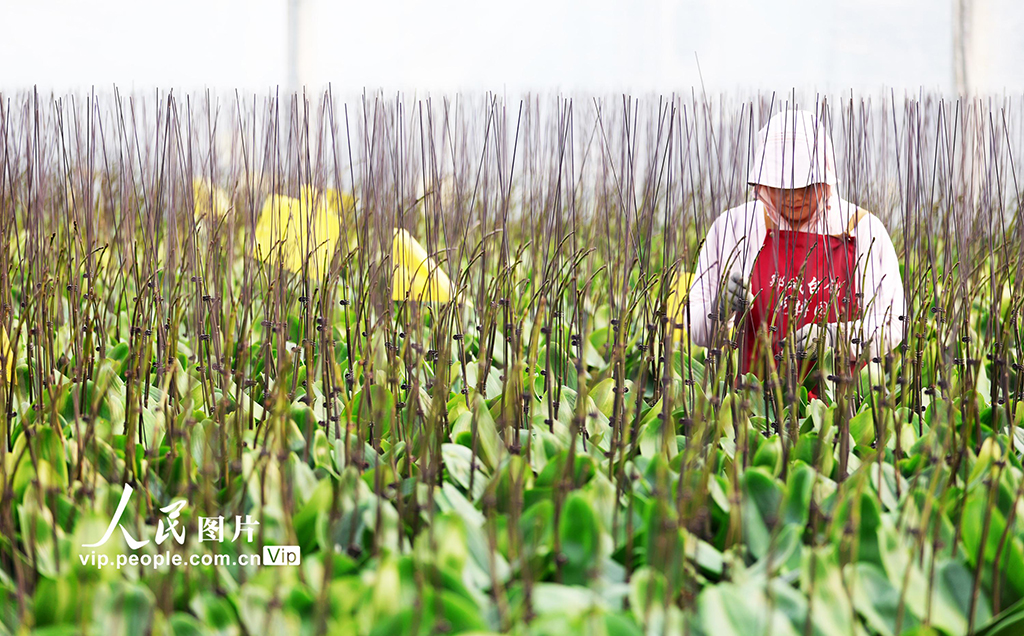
[[798, 268]]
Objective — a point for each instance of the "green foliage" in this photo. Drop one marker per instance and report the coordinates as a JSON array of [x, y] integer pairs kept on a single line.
[[545, 455]]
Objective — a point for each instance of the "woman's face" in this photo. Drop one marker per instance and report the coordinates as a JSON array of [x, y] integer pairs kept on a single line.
[[796, 205]]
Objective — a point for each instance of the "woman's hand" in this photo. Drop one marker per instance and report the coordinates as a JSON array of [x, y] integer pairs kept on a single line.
[[806, 338], [735, 297]]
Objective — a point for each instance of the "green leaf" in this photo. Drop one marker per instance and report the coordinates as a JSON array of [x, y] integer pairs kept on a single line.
[[664, 548], [460, 614], [449, 499], [492, 450], [1011, 625], [877, 600], [820, 577], [769, 455], [67, 629], [603, 394], [458, 460], [305, 520], [56, 601], [1011, 560], [580, 540], [555, 472], [796, 506], [301, 423], [444, 543], [729, 610], [508, 486], [862, 428], [374, 409], [260, 613], [760, 507], [124, 608], [565, 600], [492, 385], [562, 370], [951, 601], [538, 528], [49, 447], [1008, 619], [215, 612], [182, 624], [620, 625]]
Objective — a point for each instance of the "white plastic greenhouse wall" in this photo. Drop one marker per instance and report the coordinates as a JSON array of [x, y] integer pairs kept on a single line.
[[590, 45]]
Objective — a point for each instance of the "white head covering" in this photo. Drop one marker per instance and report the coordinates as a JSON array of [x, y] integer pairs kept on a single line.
[[794, 151]]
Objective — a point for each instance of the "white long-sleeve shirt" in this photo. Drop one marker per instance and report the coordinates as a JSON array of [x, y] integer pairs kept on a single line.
[[736, 237]]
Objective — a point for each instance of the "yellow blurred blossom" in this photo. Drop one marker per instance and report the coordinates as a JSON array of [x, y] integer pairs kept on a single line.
[[416, 276], [340, 203], [8, 356], [309, 225], [678, 294], [209, 200]]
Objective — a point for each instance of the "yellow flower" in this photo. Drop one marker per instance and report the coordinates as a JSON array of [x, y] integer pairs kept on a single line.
[[298, 227], [678, 294], [416, 276], [209, 200], [340, 203], [5, 351]]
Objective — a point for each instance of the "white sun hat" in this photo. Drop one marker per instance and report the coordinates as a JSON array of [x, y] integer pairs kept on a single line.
[[794, 151]]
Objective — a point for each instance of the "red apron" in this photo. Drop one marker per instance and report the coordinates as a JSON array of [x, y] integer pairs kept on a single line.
[[798, 277]]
